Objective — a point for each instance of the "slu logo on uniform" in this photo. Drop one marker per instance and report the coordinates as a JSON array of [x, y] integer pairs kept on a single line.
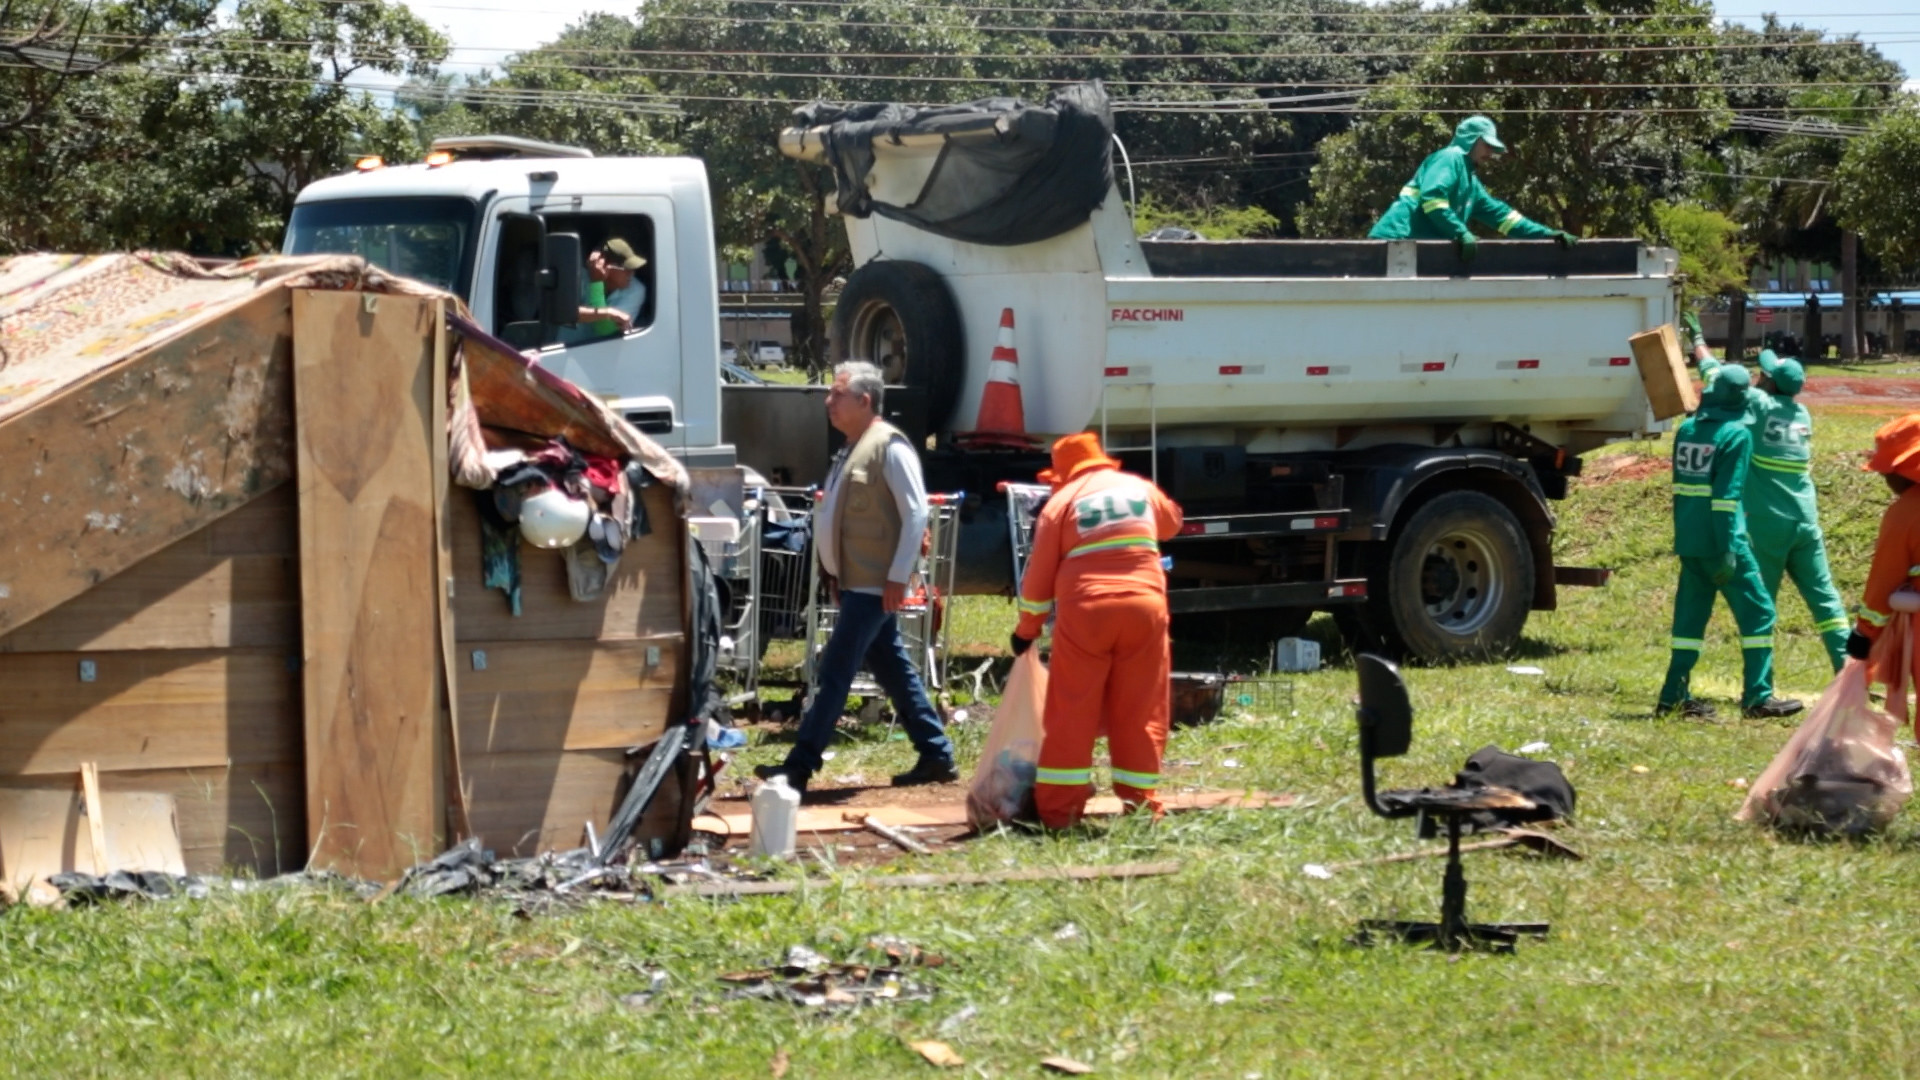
[[1782, 432], [1105, 509], [1693, 457]]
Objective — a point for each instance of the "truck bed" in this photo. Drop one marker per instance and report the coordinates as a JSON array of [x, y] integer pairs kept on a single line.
[[1368, 259]]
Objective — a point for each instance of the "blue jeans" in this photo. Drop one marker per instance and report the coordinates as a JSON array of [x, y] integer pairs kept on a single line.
[[865, 630]]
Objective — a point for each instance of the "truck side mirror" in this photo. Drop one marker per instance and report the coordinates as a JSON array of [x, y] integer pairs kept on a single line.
[[516, 280], [560, 280]]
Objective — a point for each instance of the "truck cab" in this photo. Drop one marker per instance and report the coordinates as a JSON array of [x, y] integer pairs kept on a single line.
[[508, 224]]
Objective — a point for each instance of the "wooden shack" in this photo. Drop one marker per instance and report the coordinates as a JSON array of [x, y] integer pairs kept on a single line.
[[237, 580]]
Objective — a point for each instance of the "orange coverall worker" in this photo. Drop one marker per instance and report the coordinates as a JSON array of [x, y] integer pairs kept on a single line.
[[1095, 567], [1882, 634]]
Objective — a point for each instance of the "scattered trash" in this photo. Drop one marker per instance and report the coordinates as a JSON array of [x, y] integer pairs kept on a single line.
[[828, 755], [727, 739], [1642, 769], [656, 981], [1534, 748], [890, 834], [1221, 997], [959, 716], [1066, 1065], [1738, 782], [1229, 763], [1293, 654], [938, 1053], [1069, 932], [1315, 870], [776, 816], [811, 980], [958, 1020], [1525, 669], [778, 1066]]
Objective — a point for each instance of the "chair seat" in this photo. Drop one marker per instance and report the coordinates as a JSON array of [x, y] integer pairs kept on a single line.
[[1454, 799]]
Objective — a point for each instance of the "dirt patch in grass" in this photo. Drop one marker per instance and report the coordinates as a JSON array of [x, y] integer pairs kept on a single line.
[[1619, 467], [1877, 392]]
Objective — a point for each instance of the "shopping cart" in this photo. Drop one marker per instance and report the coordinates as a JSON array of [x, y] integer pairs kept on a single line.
[[922, 618], [782, 573], [1023, 509]]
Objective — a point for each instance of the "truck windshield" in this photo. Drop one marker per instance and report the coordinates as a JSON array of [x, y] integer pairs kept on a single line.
[[426, 239]]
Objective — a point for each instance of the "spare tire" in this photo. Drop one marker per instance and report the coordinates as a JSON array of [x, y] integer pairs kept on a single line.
[[900, 317]]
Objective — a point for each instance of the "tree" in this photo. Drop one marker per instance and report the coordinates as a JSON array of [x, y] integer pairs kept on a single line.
[[1598, 101], [1713, 260], [1873, 193]]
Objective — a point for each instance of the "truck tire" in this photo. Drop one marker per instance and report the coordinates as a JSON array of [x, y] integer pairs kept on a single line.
[[900, 316], [1458, 582]]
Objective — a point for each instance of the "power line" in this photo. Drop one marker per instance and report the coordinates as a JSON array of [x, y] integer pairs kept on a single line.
[[1721, 176]]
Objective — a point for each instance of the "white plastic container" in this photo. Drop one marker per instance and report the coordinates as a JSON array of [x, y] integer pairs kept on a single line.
[[1296, 654], [776, 819]]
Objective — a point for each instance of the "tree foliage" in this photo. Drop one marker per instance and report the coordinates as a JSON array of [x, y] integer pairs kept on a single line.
[[1713, 258], [1874, 193]]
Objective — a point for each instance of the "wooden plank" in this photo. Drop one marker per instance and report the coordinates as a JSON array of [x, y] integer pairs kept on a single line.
[[363, 383], [642, 597], [566, 695], [947, 815], [141, 454], [183, 597], [96, 816], [269, 525], [456, 791], [524, 803], [151, 709]]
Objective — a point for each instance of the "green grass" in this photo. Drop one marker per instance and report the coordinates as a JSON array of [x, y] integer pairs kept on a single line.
[[1685, 945]]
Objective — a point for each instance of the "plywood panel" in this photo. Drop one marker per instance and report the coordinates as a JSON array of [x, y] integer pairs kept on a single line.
[[524, 803], [147, 710], [186, 596], [642, 598], [50, 831], [566, 695], [363, 383], [141, 454], [246, 818]]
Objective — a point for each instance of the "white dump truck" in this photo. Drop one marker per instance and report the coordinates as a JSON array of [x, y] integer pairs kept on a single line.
[[1365, 427]]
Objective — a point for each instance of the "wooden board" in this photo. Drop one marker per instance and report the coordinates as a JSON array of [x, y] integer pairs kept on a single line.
[[1663, 370], [945, 815], [565, 695], [246, 817], [363, 384], [642, 598], [141, 454], [50, 831], [154, 709], [525, 803], [224, 586]]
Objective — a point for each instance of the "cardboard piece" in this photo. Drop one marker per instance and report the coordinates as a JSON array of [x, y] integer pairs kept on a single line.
[[1663, 371], [47, 831], [946, 815]]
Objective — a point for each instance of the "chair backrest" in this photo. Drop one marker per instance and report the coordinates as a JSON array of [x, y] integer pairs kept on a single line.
[[1386, 721]]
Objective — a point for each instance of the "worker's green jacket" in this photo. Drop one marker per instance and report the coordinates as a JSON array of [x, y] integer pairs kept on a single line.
[[1710, 459], [1779, 493], [1442, 197]]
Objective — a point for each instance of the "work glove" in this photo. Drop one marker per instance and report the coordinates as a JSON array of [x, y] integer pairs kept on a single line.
[[1859, 645], [1565, 239], [1020, 644], [1690, 322], [1723, 573], [1466, 247]]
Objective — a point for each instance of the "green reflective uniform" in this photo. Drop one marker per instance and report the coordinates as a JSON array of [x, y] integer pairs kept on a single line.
[[1445, 195], [1783, 511], [1711, 452]]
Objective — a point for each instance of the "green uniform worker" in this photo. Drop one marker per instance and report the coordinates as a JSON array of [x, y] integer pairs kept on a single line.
[[1710, 460], [1783, 512], [1446, 194]]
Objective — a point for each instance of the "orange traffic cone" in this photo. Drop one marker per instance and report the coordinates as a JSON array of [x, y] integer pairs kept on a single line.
[[1002, 420]]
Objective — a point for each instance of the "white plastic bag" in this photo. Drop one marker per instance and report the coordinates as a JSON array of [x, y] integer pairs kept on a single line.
[[1840, 773], [1003, 780]]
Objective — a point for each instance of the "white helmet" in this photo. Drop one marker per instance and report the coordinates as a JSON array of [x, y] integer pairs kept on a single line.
[[554, 519]]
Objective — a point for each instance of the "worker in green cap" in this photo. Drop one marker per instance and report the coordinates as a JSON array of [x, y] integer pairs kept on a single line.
[[1446, 195], [1711, 452], [1782, 510]]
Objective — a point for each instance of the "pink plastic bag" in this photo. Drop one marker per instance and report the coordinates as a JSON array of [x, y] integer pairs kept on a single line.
[[1840, 773], [1003, 780]]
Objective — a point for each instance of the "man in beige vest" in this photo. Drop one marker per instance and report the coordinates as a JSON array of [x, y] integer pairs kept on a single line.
[[867, 535]]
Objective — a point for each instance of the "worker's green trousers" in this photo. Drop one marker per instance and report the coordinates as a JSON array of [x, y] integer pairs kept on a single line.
[[1752, 611], [1798, 551]]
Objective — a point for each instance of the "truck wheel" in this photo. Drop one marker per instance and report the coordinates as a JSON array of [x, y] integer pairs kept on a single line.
[[900, 316], [1459, 583]]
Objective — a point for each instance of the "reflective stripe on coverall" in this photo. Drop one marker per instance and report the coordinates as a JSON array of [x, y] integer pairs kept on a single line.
[[1446, 194], [1782, 508], [1096, 567], [1710, 461]]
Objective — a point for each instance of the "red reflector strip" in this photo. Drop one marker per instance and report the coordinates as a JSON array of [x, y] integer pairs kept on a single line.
[[1347, 590], [1619, 361], [1317, 370], [1230, 369], [1114, 372], [1526, 365], [1192, 528], [1437, 365], [1326, 523]]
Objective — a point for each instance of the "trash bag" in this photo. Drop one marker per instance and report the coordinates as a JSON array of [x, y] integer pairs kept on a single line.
[[1840, 774], [1002, 787], [1542, 781]]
